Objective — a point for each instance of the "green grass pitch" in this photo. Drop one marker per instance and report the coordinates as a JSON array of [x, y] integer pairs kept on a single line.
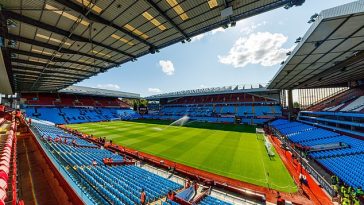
[[229, 150]]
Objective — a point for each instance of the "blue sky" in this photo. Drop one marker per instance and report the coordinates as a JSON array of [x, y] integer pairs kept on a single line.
[[249, 53]]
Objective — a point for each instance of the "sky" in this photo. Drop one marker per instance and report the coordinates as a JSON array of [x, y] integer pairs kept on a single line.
[[248, 54]]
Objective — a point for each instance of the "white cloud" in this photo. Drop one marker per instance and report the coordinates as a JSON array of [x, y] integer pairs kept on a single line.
[[154, 90], [108, 86], [203, 35], [213, 32], [262, 48], [203, 86], [244, 27], [198, 37], [250, 28], [167, 66]]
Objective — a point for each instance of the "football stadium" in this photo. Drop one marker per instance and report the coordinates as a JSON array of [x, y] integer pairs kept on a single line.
[[76, 129]]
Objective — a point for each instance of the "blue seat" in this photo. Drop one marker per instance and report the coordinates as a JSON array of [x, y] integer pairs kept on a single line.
[[346, 162], [209, 200], [118, 185]]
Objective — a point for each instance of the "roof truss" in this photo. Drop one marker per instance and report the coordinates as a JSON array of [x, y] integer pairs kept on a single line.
[[69, 38]]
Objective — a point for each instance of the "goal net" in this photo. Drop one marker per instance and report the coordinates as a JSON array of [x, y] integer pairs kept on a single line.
[[268, 145]]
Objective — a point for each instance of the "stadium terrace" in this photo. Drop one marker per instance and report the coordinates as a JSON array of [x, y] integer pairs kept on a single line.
[[234, 145]]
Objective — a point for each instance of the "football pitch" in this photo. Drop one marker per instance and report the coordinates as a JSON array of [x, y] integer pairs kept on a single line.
[[233, 151]]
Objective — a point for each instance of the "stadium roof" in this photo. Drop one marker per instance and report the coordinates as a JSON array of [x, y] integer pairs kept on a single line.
[[81, 90], [211, 91], [51, 44], [330, 54]]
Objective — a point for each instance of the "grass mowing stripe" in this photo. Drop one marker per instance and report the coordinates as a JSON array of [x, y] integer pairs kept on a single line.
[[179, 147]]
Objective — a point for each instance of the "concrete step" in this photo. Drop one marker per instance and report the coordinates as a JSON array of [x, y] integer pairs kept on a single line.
[[37, 184]]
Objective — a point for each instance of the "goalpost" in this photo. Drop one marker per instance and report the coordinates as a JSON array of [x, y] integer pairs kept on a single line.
[[260, 133], [268, 145]]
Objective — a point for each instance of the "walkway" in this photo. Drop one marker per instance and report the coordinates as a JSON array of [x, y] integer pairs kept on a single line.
[[36, 182]]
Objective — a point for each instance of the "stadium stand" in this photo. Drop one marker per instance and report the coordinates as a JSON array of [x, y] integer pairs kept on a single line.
[[76, 157], [351, 100], [333, 151], [345, 168], [74, 99], [8, 162], [226, 107], [343, 112], [218, 105], [66, 108]]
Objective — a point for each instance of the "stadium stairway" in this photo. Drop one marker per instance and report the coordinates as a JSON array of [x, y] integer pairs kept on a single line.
[[36, 178], [35, 174]]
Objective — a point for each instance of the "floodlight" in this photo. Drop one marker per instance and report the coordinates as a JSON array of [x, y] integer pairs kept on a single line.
[[287, 6], [12, 43], [318, 43], [313, 18], [11, 23], [152, 50], [298, 40]]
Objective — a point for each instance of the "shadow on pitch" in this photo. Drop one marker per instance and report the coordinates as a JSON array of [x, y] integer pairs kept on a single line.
[[204, 125]]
